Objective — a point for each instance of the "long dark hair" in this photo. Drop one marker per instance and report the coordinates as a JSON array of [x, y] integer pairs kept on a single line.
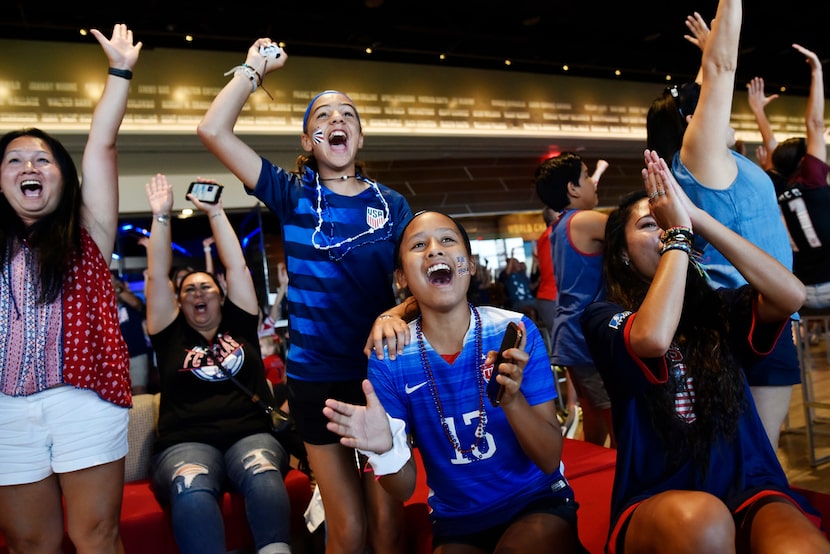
[[787, 156], [700, 336], [666, 118], [56, 237]]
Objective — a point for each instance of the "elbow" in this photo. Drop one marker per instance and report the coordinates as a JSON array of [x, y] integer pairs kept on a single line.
[[800, 296], [651, 345], [207, 133], [549, 465]]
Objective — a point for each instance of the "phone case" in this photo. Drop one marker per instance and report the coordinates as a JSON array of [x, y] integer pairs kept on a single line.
[[512, 338], [205, 192]]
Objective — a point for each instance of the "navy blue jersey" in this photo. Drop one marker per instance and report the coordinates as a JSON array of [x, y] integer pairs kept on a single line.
[[339, 257]]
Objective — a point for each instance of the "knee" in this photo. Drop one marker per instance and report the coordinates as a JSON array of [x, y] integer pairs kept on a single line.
[[706, 521], [350, 533], [261, 460], [95, 535], [189, 478]]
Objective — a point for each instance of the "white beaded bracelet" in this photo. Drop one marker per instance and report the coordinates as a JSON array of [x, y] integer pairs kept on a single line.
[[247, 71], [393, 460]]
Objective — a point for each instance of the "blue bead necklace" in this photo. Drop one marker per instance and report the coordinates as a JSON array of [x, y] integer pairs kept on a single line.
[[433, 389]]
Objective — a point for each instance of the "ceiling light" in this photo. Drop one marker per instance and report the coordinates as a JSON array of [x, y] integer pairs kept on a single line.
[[188, 38]]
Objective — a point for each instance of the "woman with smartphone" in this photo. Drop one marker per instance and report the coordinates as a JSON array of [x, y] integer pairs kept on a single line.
[[210, 433], [494, 471]]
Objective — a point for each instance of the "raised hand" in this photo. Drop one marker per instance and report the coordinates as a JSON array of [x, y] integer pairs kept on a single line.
[[364, 427], [120, 50], [699, 29], [812, 58], [159, 195], [667, 202], [756, 97]]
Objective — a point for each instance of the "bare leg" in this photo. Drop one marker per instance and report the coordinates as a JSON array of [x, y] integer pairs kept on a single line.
[[773, 404], [31, 517], [681, 522], [535, 533], [778, 523], [93, 507], [386, 519], [336, 473]]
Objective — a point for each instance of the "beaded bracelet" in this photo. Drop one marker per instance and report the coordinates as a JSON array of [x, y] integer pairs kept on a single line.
[[123, 73], [684, 234], [246, 70], [677, 245]]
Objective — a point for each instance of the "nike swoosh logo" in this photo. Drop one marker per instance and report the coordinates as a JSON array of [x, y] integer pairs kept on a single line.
[[410, 390]]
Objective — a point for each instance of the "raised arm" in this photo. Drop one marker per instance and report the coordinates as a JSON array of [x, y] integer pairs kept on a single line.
[[814, 118], [780, 292], [757, 103], [657, 319], [216, 128], [241, 289], [162, 307], [705, 150], [99, 187]]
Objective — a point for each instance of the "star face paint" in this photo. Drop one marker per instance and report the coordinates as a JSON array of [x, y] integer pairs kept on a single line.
[[317, 136], [462, 266]]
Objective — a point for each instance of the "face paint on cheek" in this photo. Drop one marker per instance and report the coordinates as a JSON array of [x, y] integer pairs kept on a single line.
[[317, 136], [461, 261]]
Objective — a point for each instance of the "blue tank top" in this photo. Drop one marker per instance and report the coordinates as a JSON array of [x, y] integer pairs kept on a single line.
[[749, 207], [579, 282]]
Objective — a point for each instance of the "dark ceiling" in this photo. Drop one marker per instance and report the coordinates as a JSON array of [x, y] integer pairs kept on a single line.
[[643, 39]]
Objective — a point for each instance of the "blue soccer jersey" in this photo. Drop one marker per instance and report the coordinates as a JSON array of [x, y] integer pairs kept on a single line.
[[739, 467], [339, 257], [474, 483]]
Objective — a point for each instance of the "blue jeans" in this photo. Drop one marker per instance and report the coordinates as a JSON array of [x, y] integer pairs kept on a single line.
[[191, 477]]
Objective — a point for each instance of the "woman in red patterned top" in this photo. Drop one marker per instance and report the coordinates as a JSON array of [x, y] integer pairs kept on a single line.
[[59, 324]]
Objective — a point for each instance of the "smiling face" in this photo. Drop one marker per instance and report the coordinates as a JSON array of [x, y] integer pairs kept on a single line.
[[333, 132], [200, 299], [30, 178], [435, 263]]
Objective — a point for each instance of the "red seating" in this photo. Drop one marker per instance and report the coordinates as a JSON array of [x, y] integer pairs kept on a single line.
[[590, 471]]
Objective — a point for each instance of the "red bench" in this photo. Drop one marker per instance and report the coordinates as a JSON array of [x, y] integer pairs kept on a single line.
[[590, 470]]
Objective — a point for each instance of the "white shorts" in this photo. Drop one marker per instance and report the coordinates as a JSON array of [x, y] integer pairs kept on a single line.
[[59, 430]]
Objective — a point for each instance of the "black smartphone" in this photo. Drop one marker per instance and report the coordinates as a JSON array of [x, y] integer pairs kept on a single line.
[[205, 192], [512, 338]]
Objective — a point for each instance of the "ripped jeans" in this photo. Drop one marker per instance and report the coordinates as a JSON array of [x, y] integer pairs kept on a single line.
[[191, 478]]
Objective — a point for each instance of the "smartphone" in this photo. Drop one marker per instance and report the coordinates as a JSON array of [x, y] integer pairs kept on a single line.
[[205, 192], [512, 339]]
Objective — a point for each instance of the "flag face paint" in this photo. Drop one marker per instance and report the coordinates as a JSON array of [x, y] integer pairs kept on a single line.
[[461, 263], [317, 136]]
